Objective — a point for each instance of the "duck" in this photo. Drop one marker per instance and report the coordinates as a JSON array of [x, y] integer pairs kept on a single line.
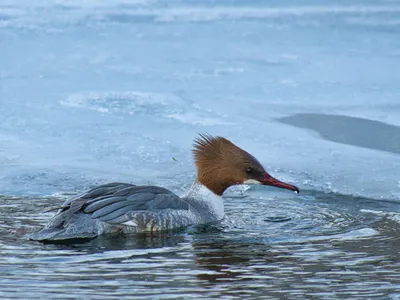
[[127, 208]]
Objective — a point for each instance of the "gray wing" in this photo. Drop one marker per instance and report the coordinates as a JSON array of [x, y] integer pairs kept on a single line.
[[114, 203]]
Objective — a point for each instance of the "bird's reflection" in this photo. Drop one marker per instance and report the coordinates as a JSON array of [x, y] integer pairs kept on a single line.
[[129, 242]]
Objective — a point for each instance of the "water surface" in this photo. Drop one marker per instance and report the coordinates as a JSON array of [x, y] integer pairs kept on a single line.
[[325, 245]]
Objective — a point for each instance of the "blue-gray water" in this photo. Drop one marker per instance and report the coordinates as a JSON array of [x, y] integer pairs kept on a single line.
[[94, 92], [326, 246]]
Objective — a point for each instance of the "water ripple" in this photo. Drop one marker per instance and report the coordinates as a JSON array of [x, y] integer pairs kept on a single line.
[[329, 246]]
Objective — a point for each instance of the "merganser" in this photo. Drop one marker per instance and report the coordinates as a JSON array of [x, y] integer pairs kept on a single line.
[[128, 208]]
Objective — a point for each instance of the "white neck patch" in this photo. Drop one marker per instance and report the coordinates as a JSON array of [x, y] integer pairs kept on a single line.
[[209, 203]]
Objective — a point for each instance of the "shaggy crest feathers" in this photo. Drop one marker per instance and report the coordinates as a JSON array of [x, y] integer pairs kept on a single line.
[[220, 163], [208, 147]]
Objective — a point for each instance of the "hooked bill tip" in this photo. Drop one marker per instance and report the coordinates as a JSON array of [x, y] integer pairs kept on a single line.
[[296, 190]]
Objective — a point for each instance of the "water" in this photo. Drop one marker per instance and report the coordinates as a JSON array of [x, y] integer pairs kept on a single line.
[[328, 246], [98, 92]]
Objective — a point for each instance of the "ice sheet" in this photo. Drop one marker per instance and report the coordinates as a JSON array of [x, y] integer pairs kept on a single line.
[[100, 91]]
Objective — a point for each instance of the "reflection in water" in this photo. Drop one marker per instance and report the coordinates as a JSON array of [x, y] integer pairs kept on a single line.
[[350, 130], [127, 242], [331, 246], [226, 257]]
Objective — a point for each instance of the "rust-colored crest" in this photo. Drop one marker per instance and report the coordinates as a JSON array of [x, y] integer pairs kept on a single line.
[[220, 163]]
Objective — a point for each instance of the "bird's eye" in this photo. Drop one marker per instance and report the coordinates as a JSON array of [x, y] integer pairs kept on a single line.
[[249, 170]]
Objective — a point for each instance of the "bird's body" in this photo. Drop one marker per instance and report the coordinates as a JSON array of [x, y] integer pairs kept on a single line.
[[131, 209], [127, 208]]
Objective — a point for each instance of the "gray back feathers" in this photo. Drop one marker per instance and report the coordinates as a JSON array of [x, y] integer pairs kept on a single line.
[[113, 203]]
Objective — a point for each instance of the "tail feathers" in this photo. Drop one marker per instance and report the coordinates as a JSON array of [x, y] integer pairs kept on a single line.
[[78, 227]]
